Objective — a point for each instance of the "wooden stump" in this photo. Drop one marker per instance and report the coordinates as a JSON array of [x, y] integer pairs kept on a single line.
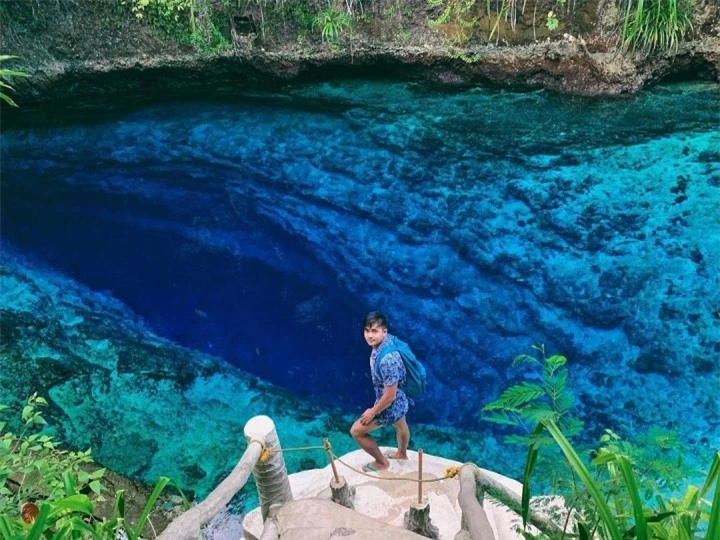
[[342, 493], [417, 520]]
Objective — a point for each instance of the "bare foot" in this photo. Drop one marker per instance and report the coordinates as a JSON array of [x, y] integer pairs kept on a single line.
[[374, 466], [395, 455]]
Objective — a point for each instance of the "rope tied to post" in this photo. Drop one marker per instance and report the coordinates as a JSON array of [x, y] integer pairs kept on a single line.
[[450, 472], [268, 452], [265, 452]]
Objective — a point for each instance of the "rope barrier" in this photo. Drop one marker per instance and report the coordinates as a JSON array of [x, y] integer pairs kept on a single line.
[[450, 472]]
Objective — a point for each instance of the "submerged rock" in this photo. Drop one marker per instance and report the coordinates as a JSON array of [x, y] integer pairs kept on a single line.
[[169, 411]]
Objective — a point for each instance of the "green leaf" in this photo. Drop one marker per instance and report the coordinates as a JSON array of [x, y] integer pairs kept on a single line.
[[529, 466], [159, 486], [520, 358], [69, 483], [713, 531], [73, 503], [7, 99], [96, 475], [76, 524], [12, 73], [39, 525], [515, 396], [580, 469], [119, 508], [603, 458], [96, 486], [713, 474], [555, 361], [6, 528], [583, 531], [631, 485]]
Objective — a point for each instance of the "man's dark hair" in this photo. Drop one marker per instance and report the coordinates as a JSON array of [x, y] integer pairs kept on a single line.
[[375, 317]]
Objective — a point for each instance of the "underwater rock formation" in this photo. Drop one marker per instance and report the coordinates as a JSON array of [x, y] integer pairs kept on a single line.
[[480, 232]]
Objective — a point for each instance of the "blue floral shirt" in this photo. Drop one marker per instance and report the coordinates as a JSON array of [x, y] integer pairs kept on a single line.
[[392, 371]]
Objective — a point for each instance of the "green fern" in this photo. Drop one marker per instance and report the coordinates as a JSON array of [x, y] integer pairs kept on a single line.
[[513, 398], [458, 15], [528, 404], [5, 75]]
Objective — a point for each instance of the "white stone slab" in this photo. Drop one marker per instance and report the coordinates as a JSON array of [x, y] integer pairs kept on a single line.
[[387, 499]]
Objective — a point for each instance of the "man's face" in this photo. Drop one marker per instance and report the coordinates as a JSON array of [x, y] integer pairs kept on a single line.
[[375, 334]]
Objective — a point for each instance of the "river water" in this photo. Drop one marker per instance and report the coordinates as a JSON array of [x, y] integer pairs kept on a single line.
[[262, 228]]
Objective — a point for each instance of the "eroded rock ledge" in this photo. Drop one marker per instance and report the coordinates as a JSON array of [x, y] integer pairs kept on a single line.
[[565, 66], [79, 53]]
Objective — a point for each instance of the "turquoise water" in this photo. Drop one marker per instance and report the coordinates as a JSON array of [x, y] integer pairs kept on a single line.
[[260, 230]]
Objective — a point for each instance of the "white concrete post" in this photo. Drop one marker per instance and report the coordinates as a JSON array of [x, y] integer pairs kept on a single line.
[[271, 477], [187, 525]]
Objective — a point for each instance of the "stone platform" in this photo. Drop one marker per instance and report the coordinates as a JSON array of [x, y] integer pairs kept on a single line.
[[380, 503]]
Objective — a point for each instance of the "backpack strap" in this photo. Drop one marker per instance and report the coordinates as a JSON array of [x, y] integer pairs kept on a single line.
[[382, 353]]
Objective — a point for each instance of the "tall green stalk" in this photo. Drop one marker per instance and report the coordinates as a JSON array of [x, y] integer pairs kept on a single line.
[[578, 466], [655, 24]]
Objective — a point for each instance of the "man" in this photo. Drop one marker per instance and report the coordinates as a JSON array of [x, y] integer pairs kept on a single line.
[[391, 403]]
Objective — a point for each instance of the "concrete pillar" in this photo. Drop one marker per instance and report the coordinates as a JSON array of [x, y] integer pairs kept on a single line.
[[271, 477]]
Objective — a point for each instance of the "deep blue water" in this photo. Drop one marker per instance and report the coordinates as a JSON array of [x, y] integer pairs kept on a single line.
[[240, 308], [262, 229]]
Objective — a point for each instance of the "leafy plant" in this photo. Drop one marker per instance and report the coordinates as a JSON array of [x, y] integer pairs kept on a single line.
[[627, 491], [528, 403], [35, 467], [611, 511], [332, 23], [162, 8], [458, 16], [404, 34], [6, 74], [655, 24], [461, 18], [45, 491], [187, 21], [552, 21], [73, 518]]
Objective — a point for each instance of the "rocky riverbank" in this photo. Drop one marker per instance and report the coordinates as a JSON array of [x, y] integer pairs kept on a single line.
[[76, 53]]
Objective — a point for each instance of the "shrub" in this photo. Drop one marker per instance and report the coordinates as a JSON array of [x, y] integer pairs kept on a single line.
[[628, 491], [332, 23], [655, 24], [619, 510], [46, 491]]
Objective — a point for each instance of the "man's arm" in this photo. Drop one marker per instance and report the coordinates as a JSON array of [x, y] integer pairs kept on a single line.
[[388, 396]]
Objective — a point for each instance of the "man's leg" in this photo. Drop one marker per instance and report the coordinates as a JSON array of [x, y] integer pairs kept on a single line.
[[360, 433], [402, 431]]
